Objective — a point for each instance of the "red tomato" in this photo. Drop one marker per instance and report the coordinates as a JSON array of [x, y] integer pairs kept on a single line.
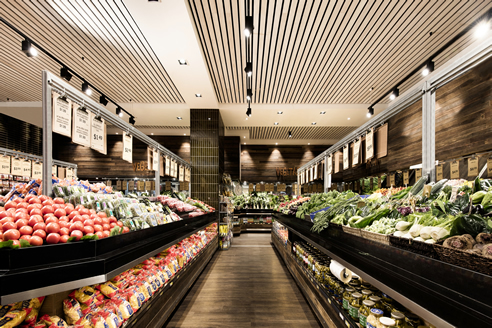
[[105, 220], [11, 211], [106, 234], [72, 214], [79, 207], [126, 229], [26, 230], [92, 211], [64, 231], [77, 226], [98, 227], [59, 200], [6, 219], [40, 233], [47, 209], [36, 241], [92, 216], [12, 234], [52, 227], [98, 220], [47, 216], [77, 234], [3, 214], [64, 218], [64, 224], [33, 206], [100, 234], [112, 225], [60, 212], [42, 198], [119, 224], [58, 206], [16, 243], [69, 209], [21, 215], [89, 223], [64, 238], [53, 238], [47, 202], [106, 226], [85, 217], [88, 229], [34, 200], [22, 205], [25, 237], [39, 226], [77, 218], [10, 205], [17, 200], [9, 225], [112, 219], [21, 223], [51, 219], [35, 211], [102, 214], [84, 211]]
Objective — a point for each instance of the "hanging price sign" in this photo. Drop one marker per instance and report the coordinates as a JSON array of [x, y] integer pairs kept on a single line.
[[168, 166], [81, 127], [188, 175], [5, 164], [168, 185], [330, 164], [54, 170], [369, 145], [118, 185], [26, 168], [405, 177], [98, 132], [251, 187], [69, 173], [439, 174], [418, 174], [455, 170], [16, 167], [473, 167], [127, 148], [155, 160], [489, 168], [62, 115], [392, 179], [181, 173], [161, 166], [346, 157], [355, 158], [131, 185], [148, 185], [37, 170], [140, 186]]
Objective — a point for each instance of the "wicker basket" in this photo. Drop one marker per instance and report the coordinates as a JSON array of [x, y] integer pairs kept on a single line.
[[374, 236], [335, 226], [413, 246], [464, 259], [352, 231]]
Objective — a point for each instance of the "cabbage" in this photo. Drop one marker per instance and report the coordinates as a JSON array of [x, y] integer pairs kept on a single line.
[[403, 225]]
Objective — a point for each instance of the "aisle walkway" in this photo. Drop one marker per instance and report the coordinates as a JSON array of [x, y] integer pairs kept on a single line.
[[246, 286]]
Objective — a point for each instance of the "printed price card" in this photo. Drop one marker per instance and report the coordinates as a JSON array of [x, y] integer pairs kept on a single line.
[[455, 170], [251, 187], [473, 167], [81, 126], [168, 166], [26, 168], [54, 170], [489, 168], [148, 185], [346, 157], [355, 157], [16, 166], [5, 164], [118, 185], [98, 131], [155, 160], [369, 144], [168, 185], [330, 164], [37, 170], [405, 177], [439, 173], [131, 185], [392, 179], [62, 115], [140, 185], [69, 173], [127, 148], [418, 174], [181, 173]]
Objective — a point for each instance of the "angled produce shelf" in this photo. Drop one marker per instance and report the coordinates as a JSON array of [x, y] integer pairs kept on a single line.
[[50, 269], [436, 291]]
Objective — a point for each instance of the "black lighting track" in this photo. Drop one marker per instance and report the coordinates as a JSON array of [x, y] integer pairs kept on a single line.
[[486, 16], [64, 66]]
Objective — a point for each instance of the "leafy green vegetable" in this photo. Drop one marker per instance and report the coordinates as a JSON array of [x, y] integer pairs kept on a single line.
[[24, 243], [93, 237]]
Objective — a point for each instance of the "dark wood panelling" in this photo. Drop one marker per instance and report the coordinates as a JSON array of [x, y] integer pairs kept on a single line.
[[259, 162], [21, 136], [231, 156]]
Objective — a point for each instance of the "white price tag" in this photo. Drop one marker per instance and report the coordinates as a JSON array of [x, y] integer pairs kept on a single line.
[[37, 170], [346, 157], [355, 157], [81, 127], [168, 166], [127, 148], [155, 160], [4, 164], [69, 173], [370, 144], [26, 168], [62, 115], [54, 170], [98, 132], [16, 167], [330, 164]]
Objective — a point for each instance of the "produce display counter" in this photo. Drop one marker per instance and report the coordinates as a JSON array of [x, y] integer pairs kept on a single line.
[[325, 307], [38, 271], [443, 294], [257, 223]]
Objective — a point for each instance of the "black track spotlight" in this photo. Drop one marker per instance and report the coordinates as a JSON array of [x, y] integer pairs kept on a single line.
[[249, 94], [119, 111], [103, 100], [395, 93], [249, 68], [248, 26], [370, 111], [28, 49], [290, 134], [65, 74], [429, 68], [248, 112], [131, 120], [86, 89]]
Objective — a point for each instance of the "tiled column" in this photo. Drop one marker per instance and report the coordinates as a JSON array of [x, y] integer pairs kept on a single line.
[[207, 154]]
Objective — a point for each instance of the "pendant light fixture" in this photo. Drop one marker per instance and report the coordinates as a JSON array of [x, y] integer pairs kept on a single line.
[[86, 89], [102, 100], [395, 93], [119, 112], [370, 111], [248, 69], [429, 68], [28, 49]]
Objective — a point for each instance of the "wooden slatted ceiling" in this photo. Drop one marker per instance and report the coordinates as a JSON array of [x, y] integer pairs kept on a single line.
[[327, 51], [98, 39], [298, 132]]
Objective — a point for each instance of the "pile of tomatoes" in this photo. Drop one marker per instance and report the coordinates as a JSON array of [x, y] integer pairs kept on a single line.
[[43, 220]]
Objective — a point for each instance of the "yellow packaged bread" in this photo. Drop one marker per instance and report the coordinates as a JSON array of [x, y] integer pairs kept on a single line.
[[52, 320], [84, 295], [108, 289], [34, 304], [14, 318], [72, 310]]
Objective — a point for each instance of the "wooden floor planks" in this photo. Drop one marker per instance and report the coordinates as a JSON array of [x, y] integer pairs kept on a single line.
[[247, 286]]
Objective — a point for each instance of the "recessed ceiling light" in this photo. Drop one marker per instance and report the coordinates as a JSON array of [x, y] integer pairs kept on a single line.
[[185, 134], [348, 118], [209, 118], [372, 88], [246, 118], [116, 132], [322, 113], [179, 118], [276, 143], [280, 113], [198, 95], [182, 62], [244, 137], [276, 123], [244, 143], [314, 123], [151, 134], [308, 143]]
